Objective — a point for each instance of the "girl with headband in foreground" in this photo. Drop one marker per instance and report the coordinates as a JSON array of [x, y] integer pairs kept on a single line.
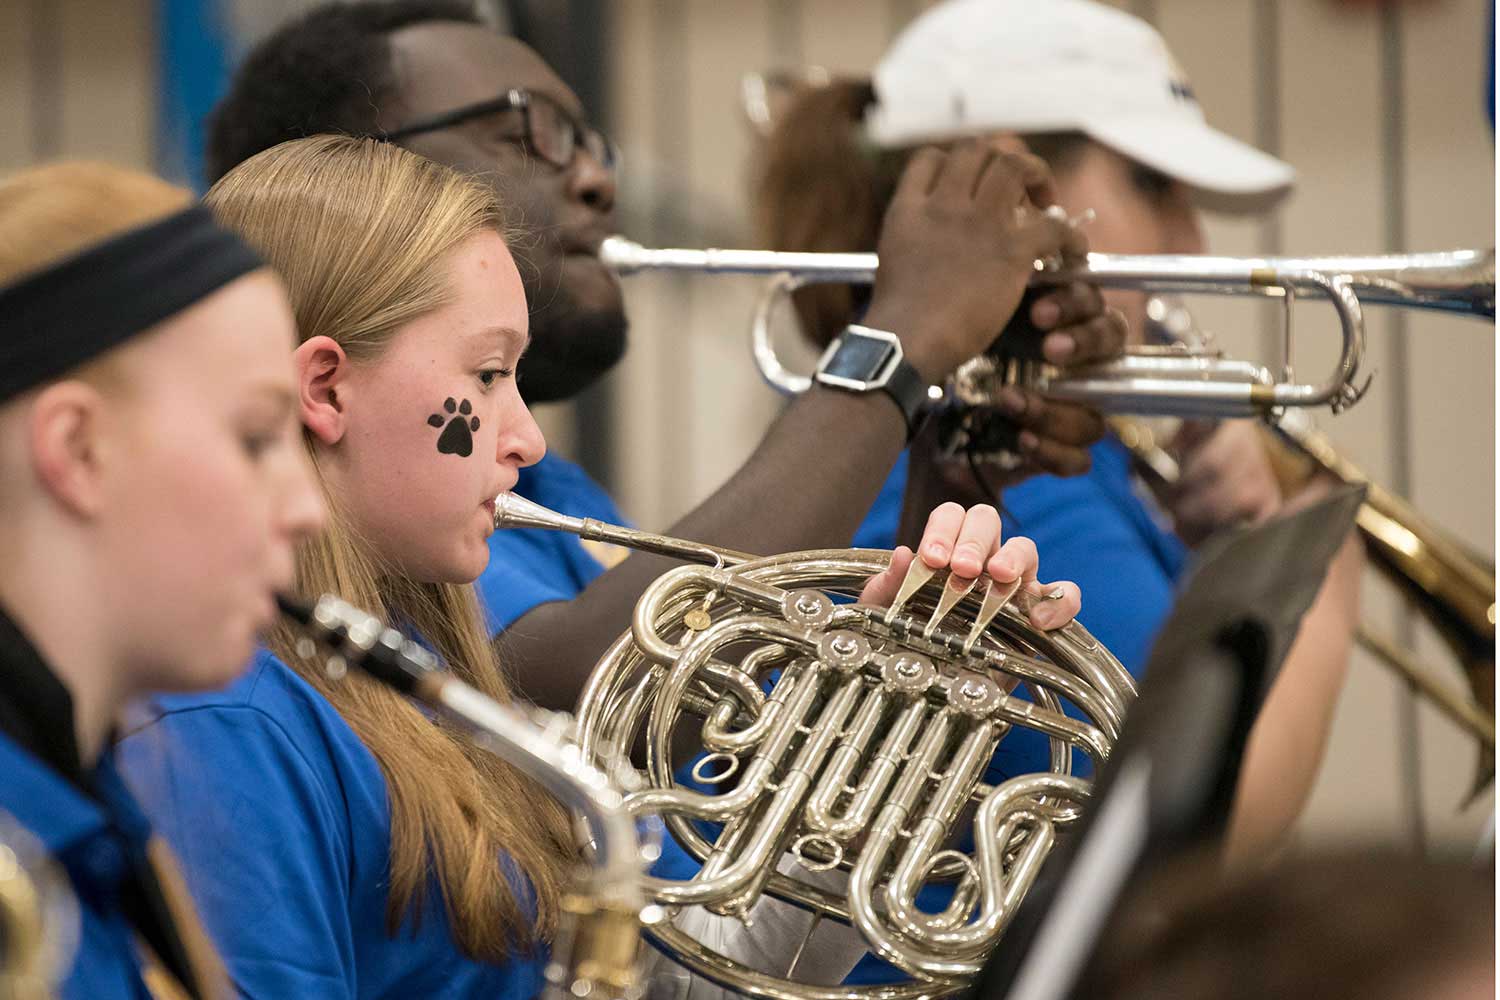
[[153, 491]]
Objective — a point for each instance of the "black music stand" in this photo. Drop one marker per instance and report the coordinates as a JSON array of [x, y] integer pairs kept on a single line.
[[1169, 783]]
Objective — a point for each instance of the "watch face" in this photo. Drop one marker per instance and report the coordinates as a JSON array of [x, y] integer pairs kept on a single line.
[[859, 359]]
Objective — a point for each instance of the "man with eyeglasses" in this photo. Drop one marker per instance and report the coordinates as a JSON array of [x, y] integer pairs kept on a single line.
[[428, 75]]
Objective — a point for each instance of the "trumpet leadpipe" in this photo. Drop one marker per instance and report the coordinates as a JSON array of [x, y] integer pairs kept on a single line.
[[1460, 281]]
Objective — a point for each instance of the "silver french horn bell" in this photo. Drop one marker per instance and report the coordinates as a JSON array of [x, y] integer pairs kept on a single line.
[[843, 753]]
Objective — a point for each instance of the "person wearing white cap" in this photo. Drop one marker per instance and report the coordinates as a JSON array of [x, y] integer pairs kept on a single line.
[[978, 66], [1095, 93]]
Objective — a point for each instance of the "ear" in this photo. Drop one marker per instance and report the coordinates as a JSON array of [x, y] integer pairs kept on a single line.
[[63, 434], [322, 388]]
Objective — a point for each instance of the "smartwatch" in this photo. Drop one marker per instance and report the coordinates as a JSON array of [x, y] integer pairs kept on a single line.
[[863, 359]]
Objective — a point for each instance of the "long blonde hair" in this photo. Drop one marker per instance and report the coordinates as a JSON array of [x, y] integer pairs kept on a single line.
[[361, 232]]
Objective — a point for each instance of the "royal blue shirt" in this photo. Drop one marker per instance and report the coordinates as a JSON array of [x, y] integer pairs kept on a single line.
[[280, 817], [532, 566], [1099, 530], [95, 840]]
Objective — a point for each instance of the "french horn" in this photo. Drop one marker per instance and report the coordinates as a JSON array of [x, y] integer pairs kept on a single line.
[[830, 759]]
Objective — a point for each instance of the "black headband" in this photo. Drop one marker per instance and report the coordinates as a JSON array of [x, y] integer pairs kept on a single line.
[[56, 319]]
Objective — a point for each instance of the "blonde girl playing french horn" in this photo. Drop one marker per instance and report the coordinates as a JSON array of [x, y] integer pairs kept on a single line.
[[339, 842]]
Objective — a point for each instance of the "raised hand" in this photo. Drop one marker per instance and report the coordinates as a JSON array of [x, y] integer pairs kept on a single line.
[[968, 543], [957, 252]]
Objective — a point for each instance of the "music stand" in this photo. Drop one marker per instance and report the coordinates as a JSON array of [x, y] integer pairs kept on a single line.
[[1170, 780]]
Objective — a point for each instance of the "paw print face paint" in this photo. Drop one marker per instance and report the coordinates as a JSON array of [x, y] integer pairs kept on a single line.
[[458, 437]]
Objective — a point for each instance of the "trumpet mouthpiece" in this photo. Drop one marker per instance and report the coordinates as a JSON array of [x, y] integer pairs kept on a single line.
[[623, 255]]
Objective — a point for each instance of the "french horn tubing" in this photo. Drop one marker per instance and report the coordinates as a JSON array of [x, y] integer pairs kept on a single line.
[[844, 749]]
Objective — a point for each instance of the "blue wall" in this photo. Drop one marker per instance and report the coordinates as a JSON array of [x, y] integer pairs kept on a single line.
[[195, 54]]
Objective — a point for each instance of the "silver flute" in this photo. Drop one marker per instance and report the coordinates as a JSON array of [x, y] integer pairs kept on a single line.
[[596, 953]]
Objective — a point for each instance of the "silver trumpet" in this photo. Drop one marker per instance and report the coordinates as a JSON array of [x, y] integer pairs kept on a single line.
[[1451, 586], [1150, 379], [596, 953], [844, 751]]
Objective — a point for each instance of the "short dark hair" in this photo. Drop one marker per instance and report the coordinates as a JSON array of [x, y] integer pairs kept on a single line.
[[326, 71], [1359, 922]]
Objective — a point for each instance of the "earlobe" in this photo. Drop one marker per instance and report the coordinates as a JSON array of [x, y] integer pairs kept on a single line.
[[322, 388], [65, 447]]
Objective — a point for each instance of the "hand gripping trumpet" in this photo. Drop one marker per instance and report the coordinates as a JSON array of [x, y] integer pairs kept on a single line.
[[1150, 379], [846, 750], [596, 951]]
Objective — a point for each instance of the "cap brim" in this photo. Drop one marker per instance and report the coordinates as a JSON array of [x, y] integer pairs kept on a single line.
[[1228, 175]]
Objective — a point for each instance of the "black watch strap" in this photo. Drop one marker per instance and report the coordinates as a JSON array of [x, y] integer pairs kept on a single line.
[[863, 359], [911, 393]]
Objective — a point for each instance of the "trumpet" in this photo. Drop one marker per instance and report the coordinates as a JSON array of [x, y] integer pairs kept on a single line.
[[1150, 379], [1452, 588], [848, 748], [596, 953]]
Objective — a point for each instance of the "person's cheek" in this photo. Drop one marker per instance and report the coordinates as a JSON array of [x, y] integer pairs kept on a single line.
[[452, 460]]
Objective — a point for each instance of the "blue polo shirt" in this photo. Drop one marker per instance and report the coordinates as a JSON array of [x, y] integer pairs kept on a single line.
[[1100, 530], [96, 841], [532, 566], [280, 817]]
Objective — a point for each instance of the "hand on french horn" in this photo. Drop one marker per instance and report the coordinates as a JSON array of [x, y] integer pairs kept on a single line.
[[957, 250], [968, 543]]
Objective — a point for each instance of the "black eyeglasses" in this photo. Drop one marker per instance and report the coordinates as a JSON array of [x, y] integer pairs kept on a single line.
[[548, 129]]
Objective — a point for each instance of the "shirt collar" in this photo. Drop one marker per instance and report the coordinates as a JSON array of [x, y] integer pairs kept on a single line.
[[41, 800], [36, 710]]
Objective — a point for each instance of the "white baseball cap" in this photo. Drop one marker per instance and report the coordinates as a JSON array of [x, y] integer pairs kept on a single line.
[[972, 66]]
